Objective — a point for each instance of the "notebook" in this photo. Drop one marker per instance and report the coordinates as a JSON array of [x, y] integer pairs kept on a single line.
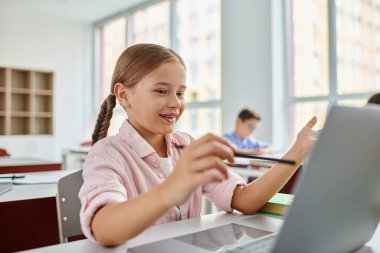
[[5, 187], [336, 204]]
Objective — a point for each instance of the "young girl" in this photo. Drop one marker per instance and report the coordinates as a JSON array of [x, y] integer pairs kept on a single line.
[[141, 177]]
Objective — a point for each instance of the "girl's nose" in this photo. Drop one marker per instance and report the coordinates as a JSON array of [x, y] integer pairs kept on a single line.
[[174, 102]]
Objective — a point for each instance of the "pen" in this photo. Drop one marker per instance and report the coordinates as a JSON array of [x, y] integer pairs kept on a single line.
[[237, 154], [13, 177]]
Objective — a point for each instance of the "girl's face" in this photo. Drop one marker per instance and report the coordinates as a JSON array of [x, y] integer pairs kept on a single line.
[[156, 102]]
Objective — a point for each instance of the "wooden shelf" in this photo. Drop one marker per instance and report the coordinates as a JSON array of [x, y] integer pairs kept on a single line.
[[20, 125], [43, 92], [43, 103], [2, 101], [21, 114], [2, 125], [2, 78], [26, 102], [20, 102], [43, 114], [21, 91], [20, 78], [44, 81], [43, 125]]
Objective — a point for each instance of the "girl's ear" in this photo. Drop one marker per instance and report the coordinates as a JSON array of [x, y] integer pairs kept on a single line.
[[121, 94]]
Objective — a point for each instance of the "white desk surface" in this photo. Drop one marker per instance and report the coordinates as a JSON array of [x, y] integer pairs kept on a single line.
[[19, 161], [248, 172], [76, 149], [34, 191], [174, 229]]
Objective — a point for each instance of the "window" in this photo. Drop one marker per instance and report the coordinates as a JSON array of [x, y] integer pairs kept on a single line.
[[151, 25], [112, 41], [198, 42], [333, 56], [195, 35]]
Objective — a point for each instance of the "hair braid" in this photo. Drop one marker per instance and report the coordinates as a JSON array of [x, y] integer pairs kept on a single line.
[[104, 119]]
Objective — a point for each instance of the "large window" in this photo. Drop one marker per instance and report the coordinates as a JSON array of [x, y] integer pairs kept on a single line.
[[192, 28], [333, 56]]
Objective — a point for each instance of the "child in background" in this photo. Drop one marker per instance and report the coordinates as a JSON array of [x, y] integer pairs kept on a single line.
[[246, 122], [140, 177], [374, 99]]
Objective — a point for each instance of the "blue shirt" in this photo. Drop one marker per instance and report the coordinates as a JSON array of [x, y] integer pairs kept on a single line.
[[246, 143]]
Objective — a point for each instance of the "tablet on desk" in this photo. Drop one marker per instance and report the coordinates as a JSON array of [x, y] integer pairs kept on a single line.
[[217, 239]]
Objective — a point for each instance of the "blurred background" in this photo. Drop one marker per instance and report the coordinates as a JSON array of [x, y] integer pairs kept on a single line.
[[288, 60]]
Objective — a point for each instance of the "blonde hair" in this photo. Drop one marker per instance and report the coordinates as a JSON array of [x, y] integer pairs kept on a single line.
[[133, 65]]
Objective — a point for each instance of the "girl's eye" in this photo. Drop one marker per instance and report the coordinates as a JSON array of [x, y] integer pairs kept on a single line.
[[181, 94], [161, 91]]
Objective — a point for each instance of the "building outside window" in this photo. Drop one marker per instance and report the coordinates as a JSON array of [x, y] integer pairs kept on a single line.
[[333, 56], [191, 28]]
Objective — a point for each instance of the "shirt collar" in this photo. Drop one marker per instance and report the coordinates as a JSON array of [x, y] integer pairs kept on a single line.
[[133, 139]]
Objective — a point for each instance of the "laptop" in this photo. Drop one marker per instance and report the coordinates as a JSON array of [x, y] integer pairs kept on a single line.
[[336, 204]]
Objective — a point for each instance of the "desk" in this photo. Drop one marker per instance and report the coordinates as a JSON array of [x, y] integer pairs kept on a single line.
[[249, 172], [79, 153], [28, 216], [22, 165], [174, 229]]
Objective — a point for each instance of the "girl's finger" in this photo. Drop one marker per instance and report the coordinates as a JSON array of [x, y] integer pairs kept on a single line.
[[312, 122], [212, 137], [210, 163], [212, 148]]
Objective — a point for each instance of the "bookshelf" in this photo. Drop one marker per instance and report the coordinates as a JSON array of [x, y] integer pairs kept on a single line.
[[26, 102]]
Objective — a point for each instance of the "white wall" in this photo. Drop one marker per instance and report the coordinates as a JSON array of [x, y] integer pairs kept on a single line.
[[247, 62], [38, 41]]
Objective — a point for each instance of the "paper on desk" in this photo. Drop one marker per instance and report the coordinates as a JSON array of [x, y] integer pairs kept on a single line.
[[49, 177]]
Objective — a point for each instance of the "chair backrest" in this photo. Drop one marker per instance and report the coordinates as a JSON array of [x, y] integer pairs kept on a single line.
[[68, 205]]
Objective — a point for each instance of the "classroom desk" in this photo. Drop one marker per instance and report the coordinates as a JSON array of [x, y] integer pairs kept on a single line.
[[249, 172], [28, 216], [23, 164], [74, 152], [174, 229]]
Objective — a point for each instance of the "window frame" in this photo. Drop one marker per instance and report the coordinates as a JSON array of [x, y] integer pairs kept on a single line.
[[173, 43], [333, 96]]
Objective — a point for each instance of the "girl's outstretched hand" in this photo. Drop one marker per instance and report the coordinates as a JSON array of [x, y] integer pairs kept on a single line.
[[306, 137], [201, 162]]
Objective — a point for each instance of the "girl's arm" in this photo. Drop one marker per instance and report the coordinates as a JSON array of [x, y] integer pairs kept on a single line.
[[115, 223], [250, 198], [200, 163]]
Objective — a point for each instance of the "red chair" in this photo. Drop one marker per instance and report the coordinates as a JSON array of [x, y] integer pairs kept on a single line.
[[3, 152], [289, 186], [86, 144]]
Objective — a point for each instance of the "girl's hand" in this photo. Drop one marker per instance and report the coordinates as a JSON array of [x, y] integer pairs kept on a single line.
[[306, 137], [201, 162]]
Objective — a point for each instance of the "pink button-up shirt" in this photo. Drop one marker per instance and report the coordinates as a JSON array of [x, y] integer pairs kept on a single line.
[[123, 166]]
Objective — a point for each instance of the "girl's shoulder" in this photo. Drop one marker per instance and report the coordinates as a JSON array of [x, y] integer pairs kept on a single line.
[[107, 145]]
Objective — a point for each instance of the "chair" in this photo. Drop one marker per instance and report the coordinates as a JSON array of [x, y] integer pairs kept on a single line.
[[3, 152], [68, 206], [288, 188], [86, 144]]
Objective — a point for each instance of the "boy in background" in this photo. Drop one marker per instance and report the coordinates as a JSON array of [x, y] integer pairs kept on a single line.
[[242, 138]]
